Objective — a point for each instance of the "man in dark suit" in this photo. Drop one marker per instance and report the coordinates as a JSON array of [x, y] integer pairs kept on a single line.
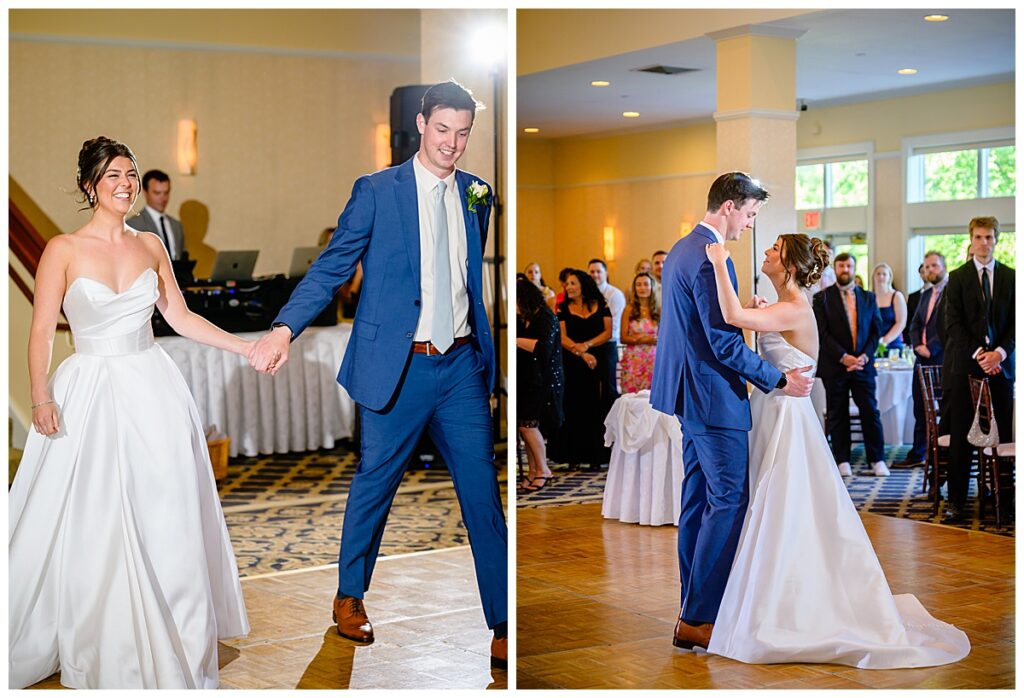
[[926, 332], [153, 218], [849, 327], [979, 321], [913, 300], [421, 356]]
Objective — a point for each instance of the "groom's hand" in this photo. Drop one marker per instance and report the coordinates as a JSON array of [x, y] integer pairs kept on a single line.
[[270, 352], [798, 384]]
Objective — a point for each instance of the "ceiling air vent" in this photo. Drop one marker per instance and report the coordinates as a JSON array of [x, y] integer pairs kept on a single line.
[[665, 70]]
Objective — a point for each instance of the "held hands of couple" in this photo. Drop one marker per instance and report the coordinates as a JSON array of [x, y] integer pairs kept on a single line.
[[798, 383], [270, 352]]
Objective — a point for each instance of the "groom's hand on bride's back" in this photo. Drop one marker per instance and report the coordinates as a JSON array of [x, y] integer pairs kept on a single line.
[[799, 383]]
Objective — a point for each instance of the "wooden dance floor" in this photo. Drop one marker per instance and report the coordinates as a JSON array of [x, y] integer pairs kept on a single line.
[[425, 608], [597, 603]]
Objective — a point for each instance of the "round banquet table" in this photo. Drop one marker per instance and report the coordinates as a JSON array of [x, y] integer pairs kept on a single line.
[[894, 390], [302, 408], [645, 474]]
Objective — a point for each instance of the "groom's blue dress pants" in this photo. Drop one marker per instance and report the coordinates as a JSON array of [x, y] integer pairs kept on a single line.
[[714, 503], [446, 395]]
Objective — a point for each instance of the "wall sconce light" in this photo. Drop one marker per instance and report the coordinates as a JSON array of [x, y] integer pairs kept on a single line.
[[188, 153], [382, 146], [609, 243]]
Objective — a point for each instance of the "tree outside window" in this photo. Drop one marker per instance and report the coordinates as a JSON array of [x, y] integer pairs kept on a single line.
[[967, 173], [832, 185]]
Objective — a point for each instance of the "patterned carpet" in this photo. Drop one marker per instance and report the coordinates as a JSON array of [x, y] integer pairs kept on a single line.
[[284, 512], [898, 495]]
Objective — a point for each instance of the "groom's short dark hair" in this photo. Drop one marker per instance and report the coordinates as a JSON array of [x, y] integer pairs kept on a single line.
[[736, 187], [448, 95]]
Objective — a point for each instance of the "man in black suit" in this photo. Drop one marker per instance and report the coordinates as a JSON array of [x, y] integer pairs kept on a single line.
[[849, 327], [926, 339], [913, 300], [979, 323]]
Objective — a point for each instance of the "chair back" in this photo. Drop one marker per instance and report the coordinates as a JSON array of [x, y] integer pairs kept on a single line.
[[930, 378]]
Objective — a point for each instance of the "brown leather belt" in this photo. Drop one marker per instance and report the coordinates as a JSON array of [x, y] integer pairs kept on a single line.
[[428, 348]]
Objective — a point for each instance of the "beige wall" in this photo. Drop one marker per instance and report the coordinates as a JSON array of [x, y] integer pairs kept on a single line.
[[281, 138], [647, 183]]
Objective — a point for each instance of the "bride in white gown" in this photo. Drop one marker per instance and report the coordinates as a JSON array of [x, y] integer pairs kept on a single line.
[[121, 573], [806, 585]]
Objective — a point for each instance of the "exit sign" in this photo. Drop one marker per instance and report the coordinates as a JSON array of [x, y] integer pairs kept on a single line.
[[812, 220]]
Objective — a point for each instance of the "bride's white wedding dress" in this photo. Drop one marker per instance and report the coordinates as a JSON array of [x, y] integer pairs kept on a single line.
[[806, 585], [121, 573]]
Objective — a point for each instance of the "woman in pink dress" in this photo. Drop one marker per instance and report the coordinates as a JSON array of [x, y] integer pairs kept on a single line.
[[639, 334]]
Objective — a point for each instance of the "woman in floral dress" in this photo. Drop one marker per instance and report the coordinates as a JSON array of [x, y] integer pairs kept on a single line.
[[639, 334]]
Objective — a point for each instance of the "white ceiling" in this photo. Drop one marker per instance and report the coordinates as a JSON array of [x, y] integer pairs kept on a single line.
[[844, 56]]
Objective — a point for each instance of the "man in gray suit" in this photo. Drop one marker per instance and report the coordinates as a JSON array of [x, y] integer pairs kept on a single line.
[[156, 185]]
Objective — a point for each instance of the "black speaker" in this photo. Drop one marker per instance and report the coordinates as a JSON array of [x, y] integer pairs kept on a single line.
[[405, 137]]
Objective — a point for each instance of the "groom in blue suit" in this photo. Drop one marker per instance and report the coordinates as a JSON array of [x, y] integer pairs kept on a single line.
[[700, 375], [421, 355]]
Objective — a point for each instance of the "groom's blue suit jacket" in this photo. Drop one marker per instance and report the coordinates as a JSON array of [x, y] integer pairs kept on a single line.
[[380, 227], [702, 364]]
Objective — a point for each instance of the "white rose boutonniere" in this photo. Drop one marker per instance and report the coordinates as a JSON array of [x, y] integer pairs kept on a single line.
[[476, 193]]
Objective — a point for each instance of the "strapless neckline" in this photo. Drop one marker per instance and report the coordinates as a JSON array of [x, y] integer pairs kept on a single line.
[[116, 293]]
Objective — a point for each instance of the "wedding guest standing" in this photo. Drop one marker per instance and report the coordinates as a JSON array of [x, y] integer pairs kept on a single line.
[[640, 335], [539, 379], [926, 339], [892, 307], [532, 272], [849, 328], [616, 301], [644, 266], [586, 326], [979, 320], [913, 300], [156, 186]]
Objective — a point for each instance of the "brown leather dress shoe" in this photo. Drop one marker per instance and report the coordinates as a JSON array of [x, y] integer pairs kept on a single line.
[[350, 615], [689, 636], [499, 652]]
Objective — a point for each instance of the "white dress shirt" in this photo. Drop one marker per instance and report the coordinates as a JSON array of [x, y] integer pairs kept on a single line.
[[156, 216], [718, 235], [616, 301], [991, 266], [426, 185]]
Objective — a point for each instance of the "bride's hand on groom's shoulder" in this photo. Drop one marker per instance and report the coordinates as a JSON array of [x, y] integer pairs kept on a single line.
[[717, 254]]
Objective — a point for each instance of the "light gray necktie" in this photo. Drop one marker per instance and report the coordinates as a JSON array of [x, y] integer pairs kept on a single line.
[[443, 329]]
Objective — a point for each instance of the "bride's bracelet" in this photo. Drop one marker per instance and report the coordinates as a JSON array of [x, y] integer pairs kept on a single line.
[[40, 404]]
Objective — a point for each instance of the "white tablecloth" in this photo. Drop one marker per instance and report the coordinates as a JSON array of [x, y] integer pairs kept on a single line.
[[302, 408], [645, 474], [894, 390], [895, 404]]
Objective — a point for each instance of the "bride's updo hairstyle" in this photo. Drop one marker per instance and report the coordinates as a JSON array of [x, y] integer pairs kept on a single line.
[[808, 255], [93, 160]]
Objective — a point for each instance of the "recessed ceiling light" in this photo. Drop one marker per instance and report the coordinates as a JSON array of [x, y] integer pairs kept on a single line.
[[531, 129], [631, 114], [599, 83], [936, 18], [907, 71]]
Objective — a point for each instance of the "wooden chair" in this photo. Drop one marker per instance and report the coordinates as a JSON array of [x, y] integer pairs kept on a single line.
[[994, 464], [937, 456]]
